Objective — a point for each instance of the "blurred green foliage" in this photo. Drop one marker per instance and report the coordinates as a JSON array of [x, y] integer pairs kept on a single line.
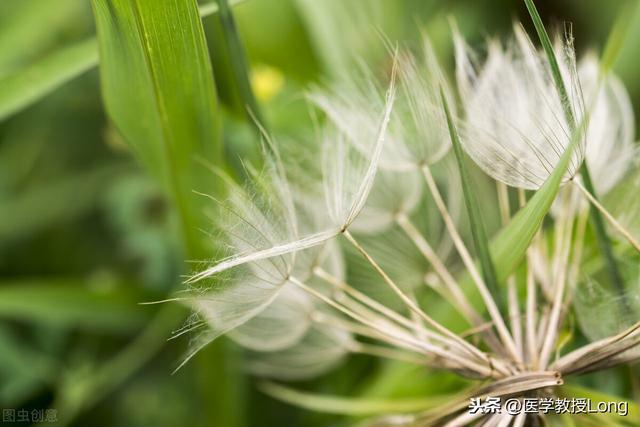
[[87, 233]]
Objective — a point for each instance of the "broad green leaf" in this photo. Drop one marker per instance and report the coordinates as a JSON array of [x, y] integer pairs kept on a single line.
[[29, 84], [473, 209], [71, 304], [351, 406], [158, 88]]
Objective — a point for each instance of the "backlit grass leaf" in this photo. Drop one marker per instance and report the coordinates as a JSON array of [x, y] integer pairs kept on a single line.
[[473, 209], [71, 304], [28, 28], [351, 406], [21, 88], [509, 246], [604, 242], [158, 88]]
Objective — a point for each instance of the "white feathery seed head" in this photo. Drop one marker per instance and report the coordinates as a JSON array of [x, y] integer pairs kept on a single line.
[[270, 236], [348, 174], [417, 131], [611, 130], [319, 351], [515, 126], [393, 194], [361, 251]]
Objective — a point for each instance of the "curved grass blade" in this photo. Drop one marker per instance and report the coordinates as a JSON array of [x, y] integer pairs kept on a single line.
[[158, 89], [350, 406], [27, 85], [510, 245], [238, 63], [475, 218], [604, 243], [24, 87], [619, 35], [71, 304]]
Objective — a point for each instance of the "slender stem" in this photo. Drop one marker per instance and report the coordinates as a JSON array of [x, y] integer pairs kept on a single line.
[[419, 329], [409, 303], [574, 269], [561, 279], [389, 353], [514, 315], [406, 342], [489, 302], [512, 294], [430, 348], [457, 298], [478, 232], [614, 222], [363, 298], [530, 323], [503, 202], [460, 300]]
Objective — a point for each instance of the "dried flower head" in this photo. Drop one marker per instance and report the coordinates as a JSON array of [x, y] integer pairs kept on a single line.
[[516, 128], [284, 291]]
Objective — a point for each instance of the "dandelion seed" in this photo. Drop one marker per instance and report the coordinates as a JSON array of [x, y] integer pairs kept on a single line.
[[417, 131], [611, 131], [289, 294], [515, 127]]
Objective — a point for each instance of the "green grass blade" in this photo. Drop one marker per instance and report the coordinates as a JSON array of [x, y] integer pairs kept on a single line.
[[553, 61], [604, 242], [158, 89], [28, 27], [509, 246], [351, 406], [619, 35], [22, 88], [72, 304], [238, 62], [473, 210]]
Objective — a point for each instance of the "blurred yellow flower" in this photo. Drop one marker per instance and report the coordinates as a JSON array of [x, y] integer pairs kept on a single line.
[[267, 82]]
